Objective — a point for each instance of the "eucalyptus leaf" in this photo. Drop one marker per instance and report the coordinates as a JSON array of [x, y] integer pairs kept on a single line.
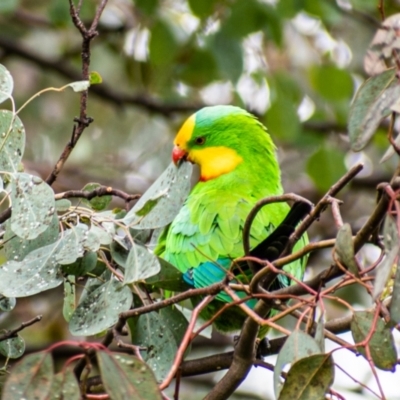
[[140, 264], [33, 206], [395, 303], [309, 378], [371, 104], [63, 205], [163, 200], [12, 141], [31, 378], [6, 83], [127, 377], [381, 345], [345, 250], [36, 273], [7, 303], [151, 332], [383, 272], [17, 248], [72, 244], [98, 203], [297, 346], [69, 303], [65, 386], [100, 308], [13, 347]]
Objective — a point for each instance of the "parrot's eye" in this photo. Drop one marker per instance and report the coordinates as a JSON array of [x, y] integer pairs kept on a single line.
[[200, 140]]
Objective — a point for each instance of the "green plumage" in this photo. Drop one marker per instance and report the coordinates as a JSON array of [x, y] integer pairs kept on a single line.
[[207, 232]]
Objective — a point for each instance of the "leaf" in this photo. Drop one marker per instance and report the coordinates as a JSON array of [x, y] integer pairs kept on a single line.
[[202, 9], [72, 246], [140, 264], [395, 303], [371, 104], [298, 345], [126, 377], [6, 84], [82, 265], [345, 250], [152, 331], [17, 248], [385, 268], [36, 273], [169, 278], [98, 203], [7, 303], [319, 333], [69, 303], [309, 378], [383, 351], [95, 78], [13, 347], [31, 378], [79, 86], [63, 205], [171, 188], [324, 78], [65, 386], [99, 309], [12, 141], [33, 206], [325, 167], [104, 235], [163, 44]]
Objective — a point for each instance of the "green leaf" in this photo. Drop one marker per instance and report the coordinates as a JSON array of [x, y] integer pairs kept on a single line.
[[99, 309], [383, 351], [97, 203], [140, 264], [12, 348], [345, 250], [163, 44], [325, 167], [152, 332], [395, 303], [31, 378], [63, 205], [8, 6], [7, 303], [169, 278], [199, 69], [147, 6], [33, 206], [65, 386], [332, 83], [309, 378], [36, 273], [72, 245], [6, 84], [371, 104], [203, 8], [385, 268], [58, 12], [171, 190], [103, 234], [12, 141], [82, 265], [298, 345], [282, 119], [69, 304], [228, 54], [126, 377], [16, 248], [95, 78]]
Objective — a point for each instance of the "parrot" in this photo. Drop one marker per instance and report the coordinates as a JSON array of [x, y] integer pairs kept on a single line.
[[238, 167]]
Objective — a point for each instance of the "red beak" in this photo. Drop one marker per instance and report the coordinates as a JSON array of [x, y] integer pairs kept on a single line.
[[178, 155]]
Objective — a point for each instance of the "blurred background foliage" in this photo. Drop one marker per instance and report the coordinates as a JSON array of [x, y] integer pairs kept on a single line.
[[296, 64]]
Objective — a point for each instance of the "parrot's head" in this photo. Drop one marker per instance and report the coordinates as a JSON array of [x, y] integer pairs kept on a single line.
[[220, 139]]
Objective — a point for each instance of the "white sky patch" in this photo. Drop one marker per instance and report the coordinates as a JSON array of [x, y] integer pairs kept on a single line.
[[137, 43], [306, 109], [254, 59], [217, 93], [255, 95], [341, 54], [306, 24], [352, 159]]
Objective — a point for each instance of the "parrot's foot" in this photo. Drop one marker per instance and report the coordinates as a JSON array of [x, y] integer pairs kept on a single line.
[[262, 346]]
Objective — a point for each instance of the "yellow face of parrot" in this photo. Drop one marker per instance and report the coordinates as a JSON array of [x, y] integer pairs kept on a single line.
[[202, 144]]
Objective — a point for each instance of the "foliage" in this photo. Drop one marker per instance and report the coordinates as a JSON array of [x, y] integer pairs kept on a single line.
[[176, 57]]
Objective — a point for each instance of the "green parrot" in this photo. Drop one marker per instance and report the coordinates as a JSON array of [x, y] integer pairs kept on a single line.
[[238, 167]]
